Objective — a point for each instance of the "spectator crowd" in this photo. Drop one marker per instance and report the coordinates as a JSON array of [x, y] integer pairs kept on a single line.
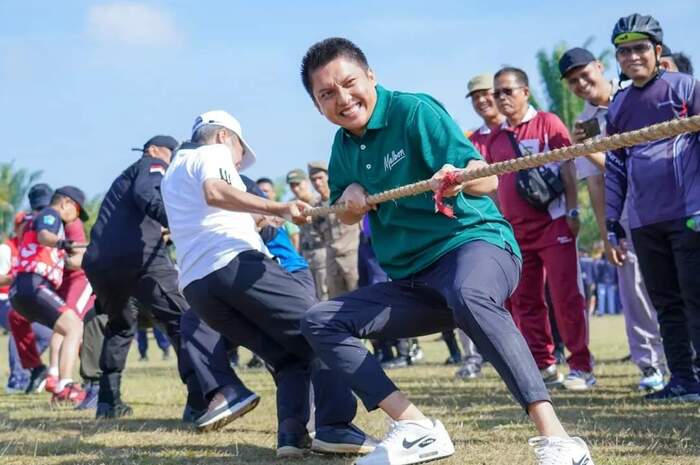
[[495, 271]]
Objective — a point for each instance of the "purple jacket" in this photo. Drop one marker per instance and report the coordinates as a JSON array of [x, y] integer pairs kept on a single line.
[[661, 178]]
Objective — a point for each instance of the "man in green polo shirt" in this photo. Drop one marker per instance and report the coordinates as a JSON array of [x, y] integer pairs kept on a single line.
[[444, 271]]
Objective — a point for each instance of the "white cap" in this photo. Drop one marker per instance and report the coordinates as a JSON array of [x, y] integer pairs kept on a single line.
[[224, 119]]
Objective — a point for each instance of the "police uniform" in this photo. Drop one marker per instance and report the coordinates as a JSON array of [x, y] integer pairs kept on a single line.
[[127, 257], [312, 242], [342, 242]]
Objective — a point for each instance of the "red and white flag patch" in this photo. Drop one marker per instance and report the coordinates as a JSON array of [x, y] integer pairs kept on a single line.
[[160, 169]]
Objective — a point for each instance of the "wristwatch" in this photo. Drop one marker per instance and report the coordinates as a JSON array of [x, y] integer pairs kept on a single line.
[[573, 213]]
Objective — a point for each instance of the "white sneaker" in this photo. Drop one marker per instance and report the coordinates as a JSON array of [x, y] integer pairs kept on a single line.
[[560, 451], [411, 441], [579, 380]]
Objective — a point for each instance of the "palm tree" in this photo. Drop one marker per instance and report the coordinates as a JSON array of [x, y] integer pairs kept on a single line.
[[14, 184], [92, 207]]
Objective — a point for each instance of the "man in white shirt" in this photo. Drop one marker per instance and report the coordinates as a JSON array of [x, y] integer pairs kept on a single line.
[[584, 75], [230, 280]]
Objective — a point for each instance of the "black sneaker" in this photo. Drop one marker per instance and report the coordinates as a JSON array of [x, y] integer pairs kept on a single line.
[[677, 390], [190, 414], [226, 406], [293, 445], [105, 410], [37, 379]]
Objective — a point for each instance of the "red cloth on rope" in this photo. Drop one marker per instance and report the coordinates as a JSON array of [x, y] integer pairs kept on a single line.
[[452, 178]]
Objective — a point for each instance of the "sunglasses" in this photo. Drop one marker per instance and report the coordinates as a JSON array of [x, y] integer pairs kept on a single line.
[[637, 49], [507, 91]]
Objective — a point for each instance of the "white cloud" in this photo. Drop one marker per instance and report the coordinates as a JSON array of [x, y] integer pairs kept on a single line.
[[133, 24]]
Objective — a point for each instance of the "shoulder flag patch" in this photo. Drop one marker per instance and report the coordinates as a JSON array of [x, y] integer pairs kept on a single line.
[[155, 168], [49, 219]]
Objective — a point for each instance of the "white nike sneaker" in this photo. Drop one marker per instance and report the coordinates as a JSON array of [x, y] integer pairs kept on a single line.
[[560, 451], [411, 441]]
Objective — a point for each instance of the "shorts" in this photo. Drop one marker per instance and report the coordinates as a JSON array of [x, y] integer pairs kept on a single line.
[[34, 298]]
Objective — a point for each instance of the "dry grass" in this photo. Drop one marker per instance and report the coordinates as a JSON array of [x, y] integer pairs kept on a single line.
[[487, 427]]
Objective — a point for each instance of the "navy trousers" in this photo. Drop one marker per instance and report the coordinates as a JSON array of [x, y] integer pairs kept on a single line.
[[466, 288]]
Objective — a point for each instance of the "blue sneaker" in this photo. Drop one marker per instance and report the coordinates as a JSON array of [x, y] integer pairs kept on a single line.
[[226, 406], [677, 390], [652, 380], [293, 444], [16, 385], [342, 439], [92, 391]]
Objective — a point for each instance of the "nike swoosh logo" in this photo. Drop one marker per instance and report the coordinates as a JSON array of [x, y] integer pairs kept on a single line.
[[584, 461], [408, 445]]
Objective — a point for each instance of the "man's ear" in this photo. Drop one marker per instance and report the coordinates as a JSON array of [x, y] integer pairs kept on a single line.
[[371, 76]]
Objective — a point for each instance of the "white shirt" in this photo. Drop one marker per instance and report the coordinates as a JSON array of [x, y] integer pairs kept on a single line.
[[584, 167], [206, 238]]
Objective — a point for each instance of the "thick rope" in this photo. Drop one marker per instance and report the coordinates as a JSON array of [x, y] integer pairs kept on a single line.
[[657, 131]]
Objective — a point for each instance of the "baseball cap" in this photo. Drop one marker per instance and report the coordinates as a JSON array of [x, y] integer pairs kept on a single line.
[[574, 58], [40, 196], [479, 82], [168, 142], [296, 175], [316, 166], [77, 196], [666, 50], [225, 119]]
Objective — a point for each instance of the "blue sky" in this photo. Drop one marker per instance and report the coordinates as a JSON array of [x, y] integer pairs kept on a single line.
[[81, 82]]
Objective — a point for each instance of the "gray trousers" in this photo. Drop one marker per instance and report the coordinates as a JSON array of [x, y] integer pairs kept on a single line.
[[641, 323], [465, 287]]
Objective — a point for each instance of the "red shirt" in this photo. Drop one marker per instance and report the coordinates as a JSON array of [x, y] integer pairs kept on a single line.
[[76, 233], [539, 131], [480, 138], [47, 262]]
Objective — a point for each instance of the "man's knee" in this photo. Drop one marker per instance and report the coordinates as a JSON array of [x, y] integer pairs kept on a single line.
[[318, 318]]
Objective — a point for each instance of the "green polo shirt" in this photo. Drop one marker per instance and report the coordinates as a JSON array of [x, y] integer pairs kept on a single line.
[[408, 138]]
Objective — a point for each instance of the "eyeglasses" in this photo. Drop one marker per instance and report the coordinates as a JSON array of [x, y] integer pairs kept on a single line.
[[637, 49], [507, 91]]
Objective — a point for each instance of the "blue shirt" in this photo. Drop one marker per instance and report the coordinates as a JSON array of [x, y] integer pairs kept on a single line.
[[660, 179]]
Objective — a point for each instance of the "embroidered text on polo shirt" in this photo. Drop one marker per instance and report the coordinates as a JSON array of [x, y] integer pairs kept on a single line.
[[391, 159]]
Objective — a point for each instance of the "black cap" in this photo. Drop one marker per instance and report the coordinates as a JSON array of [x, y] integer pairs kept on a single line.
[[40, 196], [574, 58], [159, 141], [77, 196], [666, 50]]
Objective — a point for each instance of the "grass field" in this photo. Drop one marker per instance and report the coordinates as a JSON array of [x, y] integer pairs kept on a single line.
[[485, 424]]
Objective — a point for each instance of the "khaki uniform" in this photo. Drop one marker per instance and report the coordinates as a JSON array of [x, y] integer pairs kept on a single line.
[[313, 248], [342, 242]]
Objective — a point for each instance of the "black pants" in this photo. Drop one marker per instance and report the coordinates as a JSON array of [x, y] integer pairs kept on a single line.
[[155, 289], [254, 303], [669, 257], [91, 349]]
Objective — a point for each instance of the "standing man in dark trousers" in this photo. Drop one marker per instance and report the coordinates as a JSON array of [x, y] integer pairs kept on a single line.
[[127, 257], [659, 182], [238, 289]]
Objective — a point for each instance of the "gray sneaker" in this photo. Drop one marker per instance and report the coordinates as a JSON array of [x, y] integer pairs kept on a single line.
[[469, 371], [552, 377]]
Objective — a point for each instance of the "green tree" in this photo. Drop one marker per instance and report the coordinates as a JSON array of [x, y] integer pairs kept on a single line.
[[14, 184], [92, 207]]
